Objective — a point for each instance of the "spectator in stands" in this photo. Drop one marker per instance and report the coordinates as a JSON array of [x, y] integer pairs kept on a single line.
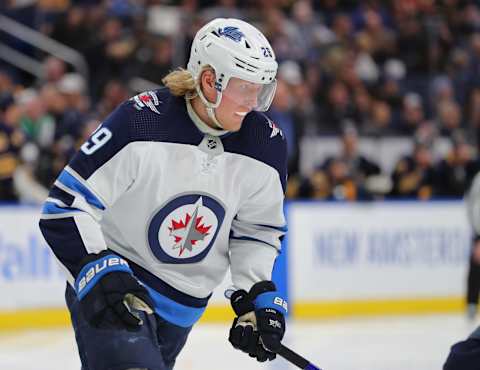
[[413, 175], [474, 54], [308, 94], [473, 111], [412, 116], [342, 184], [317, 186], [342, 28], [343, 176], [457, 69], [55, 102], [284, 36], [380, 120], [412, 44], [449, 118], [73, 89], [159, 63], [364, 66], [363, 102], [7, 89], [37, 125], [281, 112], [338, 108], [359, 167], [11, 141], [314, 33], [441, 91], [110, 56], [381, 39], [53, 71], [389, 69], [455, 172], [390, 86], [113, 94], [72, 29]]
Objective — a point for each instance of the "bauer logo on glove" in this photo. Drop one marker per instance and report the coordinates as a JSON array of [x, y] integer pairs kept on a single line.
[[99, 268], [110, 296]]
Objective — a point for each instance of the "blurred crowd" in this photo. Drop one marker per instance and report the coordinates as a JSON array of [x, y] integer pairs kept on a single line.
[[347, 70]]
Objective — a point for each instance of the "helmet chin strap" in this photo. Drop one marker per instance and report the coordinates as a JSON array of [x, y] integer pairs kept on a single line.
[[211, 107], [211, 114]]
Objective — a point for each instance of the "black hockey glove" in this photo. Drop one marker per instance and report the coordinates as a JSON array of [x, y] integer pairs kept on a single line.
[[109, 294], [260, 323]]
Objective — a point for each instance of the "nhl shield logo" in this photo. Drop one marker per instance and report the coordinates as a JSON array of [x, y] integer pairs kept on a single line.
[[185, 228]]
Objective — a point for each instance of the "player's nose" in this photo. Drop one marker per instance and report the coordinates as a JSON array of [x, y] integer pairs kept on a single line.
[[251, 101]]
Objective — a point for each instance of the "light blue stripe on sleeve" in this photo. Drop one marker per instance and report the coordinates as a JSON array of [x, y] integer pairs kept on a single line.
[[72, 183], [50, 208], [174, 312]]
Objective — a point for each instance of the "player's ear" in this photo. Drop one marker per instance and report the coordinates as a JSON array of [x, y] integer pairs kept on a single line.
[[207, 81]]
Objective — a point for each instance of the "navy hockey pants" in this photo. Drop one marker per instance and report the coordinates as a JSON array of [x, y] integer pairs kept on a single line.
[[155, 346]]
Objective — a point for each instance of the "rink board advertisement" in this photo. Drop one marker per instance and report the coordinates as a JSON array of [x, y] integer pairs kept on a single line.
[[29, 274], [338, 253], [377, 251]]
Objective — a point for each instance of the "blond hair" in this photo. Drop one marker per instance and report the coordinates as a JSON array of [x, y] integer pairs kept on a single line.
[[180, 82]]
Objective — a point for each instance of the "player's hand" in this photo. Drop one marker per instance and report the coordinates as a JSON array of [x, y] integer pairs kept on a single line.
[[110, 296], [260, 325], [243, 333]]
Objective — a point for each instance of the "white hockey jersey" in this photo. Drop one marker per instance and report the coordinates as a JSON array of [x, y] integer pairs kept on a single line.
[[181, 202]]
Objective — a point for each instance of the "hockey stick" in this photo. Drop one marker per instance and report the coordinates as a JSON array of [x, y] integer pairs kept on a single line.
[[284, 351], [296, 359]]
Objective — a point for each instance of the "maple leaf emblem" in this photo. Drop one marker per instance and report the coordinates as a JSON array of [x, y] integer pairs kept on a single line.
[[145, 98], [188, 232]]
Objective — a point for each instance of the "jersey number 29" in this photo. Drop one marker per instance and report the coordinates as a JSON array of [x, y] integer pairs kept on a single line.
[[96, 141]]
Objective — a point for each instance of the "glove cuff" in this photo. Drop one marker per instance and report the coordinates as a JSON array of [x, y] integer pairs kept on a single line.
[[261, 287], [93, 271], [271, 300]]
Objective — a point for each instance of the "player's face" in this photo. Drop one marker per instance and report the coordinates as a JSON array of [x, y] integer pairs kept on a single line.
[[238, 99]]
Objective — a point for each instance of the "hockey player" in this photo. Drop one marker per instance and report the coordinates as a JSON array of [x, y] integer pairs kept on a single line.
[[472, 200], [465, 355], [176, 186]]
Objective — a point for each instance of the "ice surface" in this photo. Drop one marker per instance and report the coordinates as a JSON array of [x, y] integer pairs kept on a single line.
[[397, 343]]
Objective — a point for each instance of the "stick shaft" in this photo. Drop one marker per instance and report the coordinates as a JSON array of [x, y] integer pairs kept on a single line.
[[296, 359]]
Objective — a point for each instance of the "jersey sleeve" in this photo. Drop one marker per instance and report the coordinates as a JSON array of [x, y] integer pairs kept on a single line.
[[259, 226], [99, 173]]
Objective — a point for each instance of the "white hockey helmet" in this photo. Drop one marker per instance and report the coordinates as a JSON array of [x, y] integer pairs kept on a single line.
[[234, 48]]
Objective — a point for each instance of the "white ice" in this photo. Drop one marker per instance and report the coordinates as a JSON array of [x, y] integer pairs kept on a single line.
[[397, 343]]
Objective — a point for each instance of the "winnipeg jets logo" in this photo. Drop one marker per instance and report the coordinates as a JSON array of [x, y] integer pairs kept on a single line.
[[189, 231], [275, 129], [185, 228], [232, 33], [147, 99]]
